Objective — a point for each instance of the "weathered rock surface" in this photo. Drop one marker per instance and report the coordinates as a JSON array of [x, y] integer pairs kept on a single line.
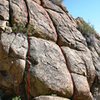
[[68, 35], [48, 70], [82, 91], [42, 24], [50, 98], [4, 10], [44, 35], [80, 62], [13, 49]]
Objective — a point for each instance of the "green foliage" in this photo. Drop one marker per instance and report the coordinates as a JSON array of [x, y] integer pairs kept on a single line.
[[86, 28], [20, 28], [16, 98]]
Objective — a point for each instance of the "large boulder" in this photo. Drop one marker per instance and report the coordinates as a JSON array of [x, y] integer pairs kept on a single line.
[[80, 62], [13, 50], [82, 90], [50, 5], [18, 12], [68, 35], [4, 10], [41, 22], [48, 69]]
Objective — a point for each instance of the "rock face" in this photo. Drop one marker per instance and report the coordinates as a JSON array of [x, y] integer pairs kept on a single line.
[[48, 69], [13, 50], [43, 53], [49, 98]]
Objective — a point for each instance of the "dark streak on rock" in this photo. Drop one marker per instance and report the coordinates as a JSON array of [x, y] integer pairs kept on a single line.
[[10, 14], [28, 15]]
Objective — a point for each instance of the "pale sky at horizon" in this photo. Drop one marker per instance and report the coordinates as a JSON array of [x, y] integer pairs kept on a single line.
[[87, 9]]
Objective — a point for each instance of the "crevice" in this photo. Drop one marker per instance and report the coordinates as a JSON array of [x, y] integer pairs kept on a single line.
[[27, 66], [28, 14], [23, 84], [10, 14]]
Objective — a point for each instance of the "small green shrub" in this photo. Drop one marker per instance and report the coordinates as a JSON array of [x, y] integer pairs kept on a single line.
[[20, 28], [86, 28], [16, 98]]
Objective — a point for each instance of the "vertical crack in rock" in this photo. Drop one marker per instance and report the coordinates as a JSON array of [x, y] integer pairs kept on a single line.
[[28, 15], [10, 14], [23, 84], [27, 67]]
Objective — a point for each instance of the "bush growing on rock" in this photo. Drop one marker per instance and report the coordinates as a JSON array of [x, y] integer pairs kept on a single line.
[[21, 28], [86, 29]]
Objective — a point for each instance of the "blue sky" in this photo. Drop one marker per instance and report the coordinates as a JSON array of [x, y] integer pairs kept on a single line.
[[88, 9]]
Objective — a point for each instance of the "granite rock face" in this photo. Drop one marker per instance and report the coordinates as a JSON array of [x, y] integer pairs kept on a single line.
[[43, 53], [48, 69], [50, 98]]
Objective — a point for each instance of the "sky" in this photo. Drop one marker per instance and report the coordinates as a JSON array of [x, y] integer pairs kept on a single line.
[[89, 10]]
